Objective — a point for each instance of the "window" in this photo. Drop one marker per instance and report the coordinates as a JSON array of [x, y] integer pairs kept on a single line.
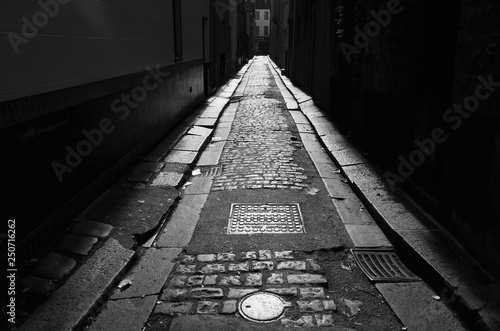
[[266, 31], [266, 15], [257, 32], [177, 30], [257, 15]]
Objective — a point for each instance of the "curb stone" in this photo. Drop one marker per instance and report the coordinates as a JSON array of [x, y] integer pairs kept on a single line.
[[372, 190]]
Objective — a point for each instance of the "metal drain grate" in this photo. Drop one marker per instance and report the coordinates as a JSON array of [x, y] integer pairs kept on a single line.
[[382, 265], [210, 171], [273, 218]]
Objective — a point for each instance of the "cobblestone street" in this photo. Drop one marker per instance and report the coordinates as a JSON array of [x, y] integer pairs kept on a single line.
[[265, 168], [260, 148]]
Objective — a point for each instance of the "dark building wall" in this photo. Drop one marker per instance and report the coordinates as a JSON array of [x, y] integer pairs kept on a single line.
[[84, 97], [390, 87]]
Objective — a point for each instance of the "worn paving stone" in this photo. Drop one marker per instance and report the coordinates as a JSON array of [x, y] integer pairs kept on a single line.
[[82, 290], [206, 257], [54, 266], [210, 280], [174, 294], [324, 320], [248, 255], [77, 244], [126, 314], [262, 265], [253, 279], [229, 307], [275, 278], [140, 176], [181, 226], [306, 279], [150, 272], [191, 143], [207, 307], [130, 211], [188, 258], [313, 265], [229, 280], [292, 265], [422, 312], [243, 266], [310, 306], [265, 255], [212, 268], [33, 284], [283, 254], [226, 256], [207, 292], [329, 305], [237, 293], [149, 166], [178, 281], [200, 131], [186, 268], [303, 321], [176, 156], [312, 292], [93, 229], [196, 280], [285, 291], [173, 179], [171, 308]]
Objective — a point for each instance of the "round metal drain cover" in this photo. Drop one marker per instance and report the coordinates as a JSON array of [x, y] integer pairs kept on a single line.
[[262, 307]]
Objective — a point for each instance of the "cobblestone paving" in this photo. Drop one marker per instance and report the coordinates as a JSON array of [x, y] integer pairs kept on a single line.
[[213, 284], [260, 148]]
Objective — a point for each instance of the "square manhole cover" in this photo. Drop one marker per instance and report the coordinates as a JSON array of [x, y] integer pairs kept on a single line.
[[382, 265], [272, 218]]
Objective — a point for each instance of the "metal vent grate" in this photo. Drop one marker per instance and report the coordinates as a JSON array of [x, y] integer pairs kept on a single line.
[[272, 218], [382, 265], [210, 171]]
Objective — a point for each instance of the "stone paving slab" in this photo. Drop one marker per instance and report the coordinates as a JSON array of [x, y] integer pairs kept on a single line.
[[77, 244], [149, 273], [181, 226], [217, 323], [125, 314], [173, 179], [199, 185], [69, 304], [130, 211], [187, 157], [33, 284], [299, 118], [191, 143], [421, 312], [200, 131], [94, 229], [208, 122], [367, 235], [211, 283], [54, 266]]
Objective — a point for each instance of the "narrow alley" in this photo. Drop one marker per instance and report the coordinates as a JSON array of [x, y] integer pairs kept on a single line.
[[265, 211], [246, 165]]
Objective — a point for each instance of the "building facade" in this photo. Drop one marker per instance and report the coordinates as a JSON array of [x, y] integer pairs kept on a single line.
[[262, 26], [89, 86], [397, 76]]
